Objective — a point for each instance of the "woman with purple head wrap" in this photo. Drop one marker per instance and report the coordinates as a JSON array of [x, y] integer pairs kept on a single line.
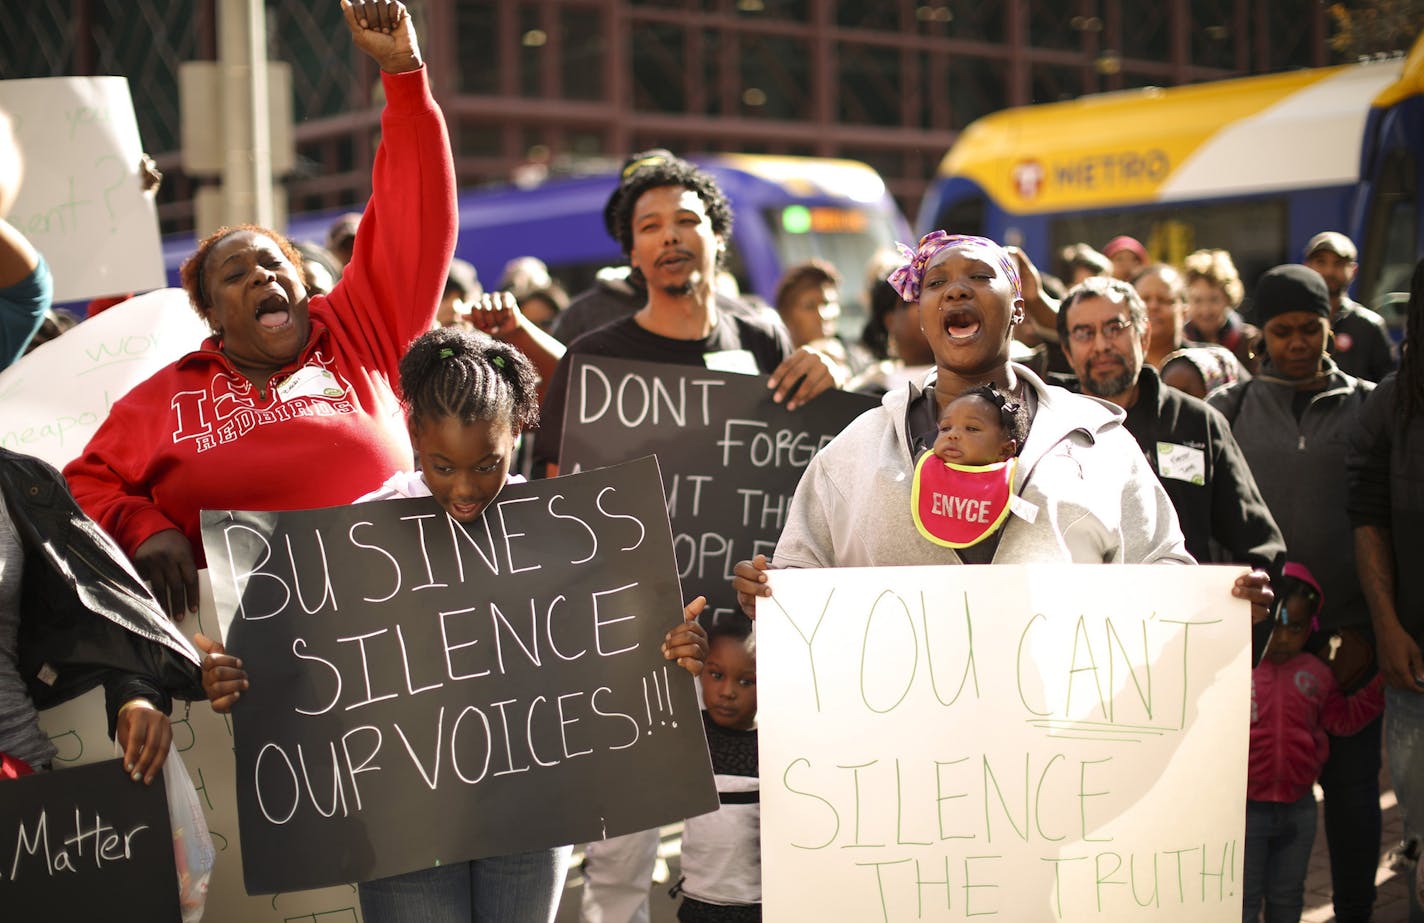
[[906, 279], [1083, 491]]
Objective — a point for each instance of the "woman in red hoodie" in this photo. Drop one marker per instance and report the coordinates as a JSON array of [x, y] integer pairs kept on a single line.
[[290, 403], [1294, 702]]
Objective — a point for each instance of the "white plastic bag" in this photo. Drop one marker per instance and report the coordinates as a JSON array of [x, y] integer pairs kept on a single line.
[[192, 846]]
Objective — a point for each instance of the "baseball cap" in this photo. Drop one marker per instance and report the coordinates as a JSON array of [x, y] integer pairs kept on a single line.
[[1123, 242], [1335, 242]]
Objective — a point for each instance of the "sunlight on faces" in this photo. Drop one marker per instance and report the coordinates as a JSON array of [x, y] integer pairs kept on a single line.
[[967, 308], [1103, 347], [1126, 264], [1181, 374], [674, 245], [903, 324], [259, 302], [1166, 305], [1295, 342], [465, 464], [1207, 305], [1335, 269], [971, 432], [812, 313], [451, 311], [539, 310], [729, 684]]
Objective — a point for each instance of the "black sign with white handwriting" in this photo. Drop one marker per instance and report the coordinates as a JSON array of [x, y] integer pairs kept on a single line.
[[424, 692], [86, 844], [731, 457]]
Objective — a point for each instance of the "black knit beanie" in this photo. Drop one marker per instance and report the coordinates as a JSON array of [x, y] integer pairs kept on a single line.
[[1291, 287]]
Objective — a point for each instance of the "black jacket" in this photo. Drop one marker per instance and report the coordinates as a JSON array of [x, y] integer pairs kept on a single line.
[[1224, 518], [1385, 469], [85, 617]]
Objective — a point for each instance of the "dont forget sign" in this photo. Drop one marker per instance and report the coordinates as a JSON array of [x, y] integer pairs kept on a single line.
[[425, 691], [731, 456]]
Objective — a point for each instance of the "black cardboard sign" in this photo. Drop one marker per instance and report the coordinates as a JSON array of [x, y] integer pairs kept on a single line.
[[731, 457], [86, 844], [424, 692]]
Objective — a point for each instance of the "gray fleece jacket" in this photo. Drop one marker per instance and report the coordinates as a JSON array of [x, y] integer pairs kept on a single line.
[[1086, 493], [1300, 467]]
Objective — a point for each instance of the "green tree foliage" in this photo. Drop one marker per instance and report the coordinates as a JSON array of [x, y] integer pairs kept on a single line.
[[1368, 27]]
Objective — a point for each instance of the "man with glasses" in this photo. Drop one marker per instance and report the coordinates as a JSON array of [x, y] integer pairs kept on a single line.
[[1102, 325]]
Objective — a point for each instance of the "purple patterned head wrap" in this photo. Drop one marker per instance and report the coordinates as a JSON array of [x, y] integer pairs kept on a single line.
[[906, 279]]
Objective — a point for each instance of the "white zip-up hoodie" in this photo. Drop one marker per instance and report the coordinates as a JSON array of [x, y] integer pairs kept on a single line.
[[1086, 494]]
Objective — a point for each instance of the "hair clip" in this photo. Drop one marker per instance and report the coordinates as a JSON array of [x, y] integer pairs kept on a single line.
[[447, 353], [498, 362]]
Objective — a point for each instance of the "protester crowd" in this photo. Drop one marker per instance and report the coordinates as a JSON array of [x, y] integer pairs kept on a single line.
[[1155, 413]]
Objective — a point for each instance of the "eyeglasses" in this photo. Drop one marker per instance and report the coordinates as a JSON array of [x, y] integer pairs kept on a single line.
[[1110, 330]]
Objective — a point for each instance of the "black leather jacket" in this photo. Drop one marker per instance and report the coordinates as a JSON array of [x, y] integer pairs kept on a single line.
[[85, 617]]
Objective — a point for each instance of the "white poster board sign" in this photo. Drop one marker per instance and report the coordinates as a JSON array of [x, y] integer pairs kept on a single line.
[[1028, 743], [52, 400], [81, 203]]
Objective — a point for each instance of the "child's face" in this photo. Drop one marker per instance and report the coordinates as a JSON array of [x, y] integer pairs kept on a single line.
[[465, 464], [1288, 637], [729, 684], [971, 433]]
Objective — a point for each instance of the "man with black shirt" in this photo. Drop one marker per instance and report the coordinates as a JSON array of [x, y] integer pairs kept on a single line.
[[674, 223], [618, 291], [1102, 325]]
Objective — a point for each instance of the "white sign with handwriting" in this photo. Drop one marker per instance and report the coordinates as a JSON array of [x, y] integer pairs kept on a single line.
[[1020, 742], [52, 400], [81, 202]]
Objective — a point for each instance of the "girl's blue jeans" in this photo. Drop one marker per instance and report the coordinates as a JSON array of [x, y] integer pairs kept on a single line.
[[1279, 836], [521, 888]]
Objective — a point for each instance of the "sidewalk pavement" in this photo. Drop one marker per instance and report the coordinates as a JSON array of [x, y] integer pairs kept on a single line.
[[1392, 899]]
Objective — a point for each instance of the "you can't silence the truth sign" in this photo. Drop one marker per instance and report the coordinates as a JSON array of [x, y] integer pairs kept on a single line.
[[1035, 743], [424, 692]]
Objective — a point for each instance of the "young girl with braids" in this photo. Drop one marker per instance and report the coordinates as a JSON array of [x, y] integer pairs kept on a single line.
[[467, 398]]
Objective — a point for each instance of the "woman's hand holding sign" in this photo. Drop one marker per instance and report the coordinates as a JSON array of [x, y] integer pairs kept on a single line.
[[749, 580]]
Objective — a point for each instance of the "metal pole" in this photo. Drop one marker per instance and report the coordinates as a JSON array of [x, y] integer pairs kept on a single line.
[[242, 64]]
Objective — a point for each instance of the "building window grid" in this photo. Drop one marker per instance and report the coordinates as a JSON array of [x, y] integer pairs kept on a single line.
[[865, 78]]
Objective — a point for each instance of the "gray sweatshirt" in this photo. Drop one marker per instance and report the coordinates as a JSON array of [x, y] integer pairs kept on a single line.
[[1085, 493]]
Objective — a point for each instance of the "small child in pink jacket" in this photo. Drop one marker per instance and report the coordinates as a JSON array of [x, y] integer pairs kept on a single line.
[[1294, 702]]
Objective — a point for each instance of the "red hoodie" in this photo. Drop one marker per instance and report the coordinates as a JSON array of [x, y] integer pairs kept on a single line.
[[198, 435], [1293, 705]]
